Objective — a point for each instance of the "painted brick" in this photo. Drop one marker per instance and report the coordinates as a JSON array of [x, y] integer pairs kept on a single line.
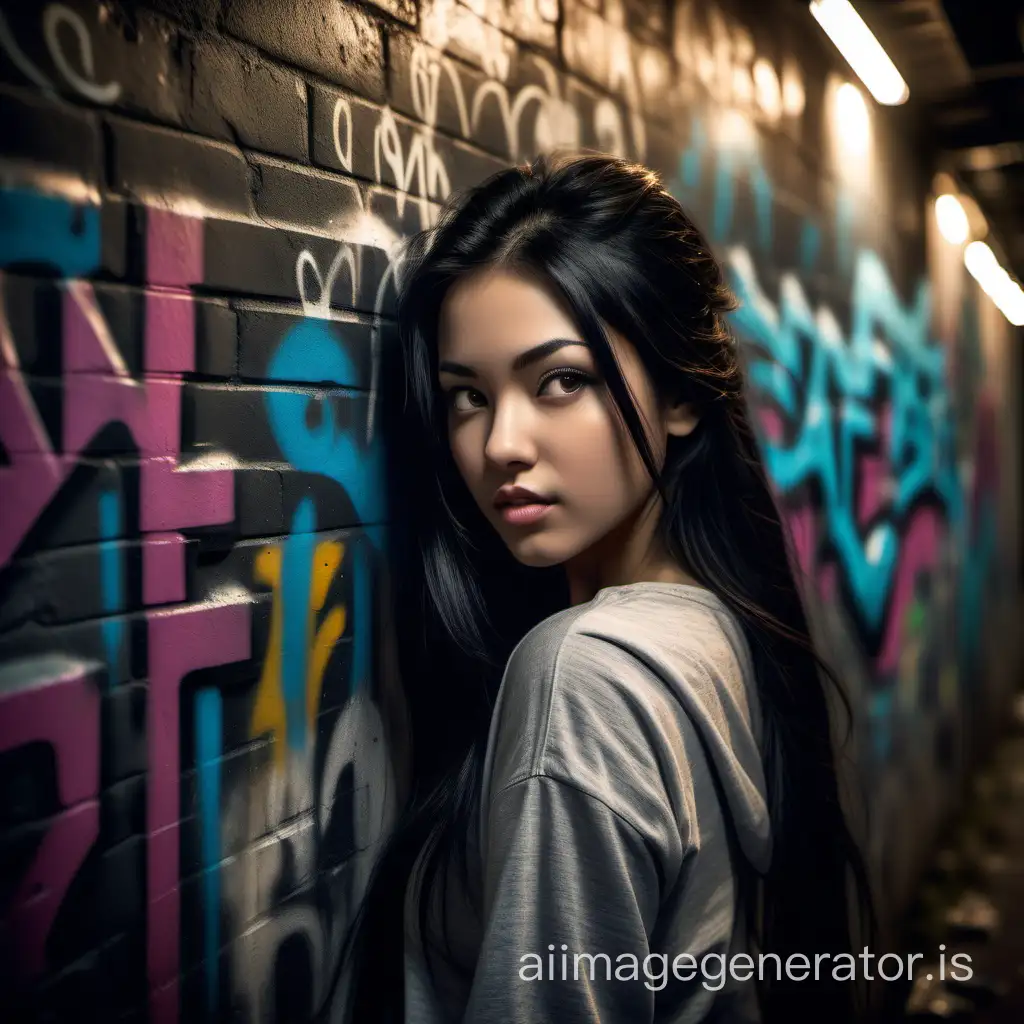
[[403, 47], [34, 316], [30, 797], [55, 138], [123, 733], [531, 21], [139, 64], [411, 157], [262, 330], [334, 507], [73, 517], [216, 339], [248, 259], [331, 38], [460, 31], [111, 904], [80, 640], [161, 167], [107, 980], [295, 197], [402, 213], [234, 419], [243, 99], [65, 231], [229, 419], [258, 509], [62, 586], [356, 119], [123, 810], [235, 766]]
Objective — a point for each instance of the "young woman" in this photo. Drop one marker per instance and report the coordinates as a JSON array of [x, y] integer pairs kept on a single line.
[[623, 775]]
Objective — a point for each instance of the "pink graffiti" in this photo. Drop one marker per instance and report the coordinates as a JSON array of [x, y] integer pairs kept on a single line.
[[918, 552], [803, 533], [57, 702], [771, 423], [180, 641], [33, 472], [873, 471], [99, 390], [873, 480], [163, 569]]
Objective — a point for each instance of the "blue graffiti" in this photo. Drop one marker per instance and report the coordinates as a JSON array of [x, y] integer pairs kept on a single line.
[[810, 246], [296, 583], [846, 213], [111, 578], [808, 362], [971, 592], [738, 159], [44, 229], [828, 384], [209, 729], [310, 352]]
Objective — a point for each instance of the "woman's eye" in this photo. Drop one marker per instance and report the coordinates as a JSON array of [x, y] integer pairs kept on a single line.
[[465, 399], [567, 384]]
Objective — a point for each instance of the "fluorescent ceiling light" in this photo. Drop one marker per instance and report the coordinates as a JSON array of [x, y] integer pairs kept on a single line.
[[863, 52], [995, 282]]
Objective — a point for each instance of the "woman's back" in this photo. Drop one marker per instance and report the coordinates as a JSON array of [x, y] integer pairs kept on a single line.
[[624, 741]]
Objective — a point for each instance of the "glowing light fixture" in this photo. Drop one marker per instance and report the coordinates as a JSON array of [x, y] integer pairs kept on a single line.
[[863, 52], [995, 282], [852, 119], [952, 219]]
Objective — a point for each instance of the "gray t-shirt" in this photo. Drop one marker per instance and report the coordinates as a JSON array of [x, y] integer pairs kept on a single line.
[[602, 828]]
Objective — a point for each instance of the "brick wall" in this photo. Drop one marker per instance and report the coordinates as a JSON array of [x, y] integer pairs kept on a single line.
[[197, 202]]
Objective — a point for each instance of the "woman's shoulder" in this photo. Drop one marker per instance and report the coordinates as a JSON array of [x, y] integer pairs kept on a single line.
[[636, 698], [616, 677], [643, 628]]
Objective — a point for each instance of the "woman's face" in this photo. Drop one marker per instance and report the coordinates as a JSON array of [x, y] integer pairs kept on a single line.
[[526, 410]]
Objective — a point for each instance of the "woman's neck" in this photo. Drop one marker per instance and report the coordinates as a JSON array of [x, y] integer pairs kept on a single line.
[[631, 553]]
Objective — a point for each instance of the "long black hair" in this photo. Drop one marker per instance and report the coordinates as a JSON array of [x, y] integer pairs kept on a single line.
[[617, 248]]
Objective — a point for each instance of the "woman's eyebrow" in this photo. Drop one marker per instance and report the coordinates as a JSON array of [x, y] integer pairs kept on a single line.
[[521, 361]]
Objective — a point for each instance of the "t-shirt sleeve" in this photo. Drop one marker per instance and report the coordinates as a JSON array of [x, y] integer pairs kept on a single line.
[[571, 893]]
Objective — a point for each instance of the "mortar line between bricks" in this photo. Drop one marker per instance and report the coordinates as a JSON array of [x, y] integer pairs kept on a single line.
[[137, 539]]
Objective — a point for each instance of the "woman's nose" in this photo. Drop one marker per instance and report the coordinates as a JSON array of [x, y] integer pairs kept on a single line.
[[510, 437]]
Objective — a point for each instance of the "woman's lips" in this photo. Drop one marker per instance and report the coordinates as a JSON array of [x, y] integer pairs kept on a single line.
[[520, 515]]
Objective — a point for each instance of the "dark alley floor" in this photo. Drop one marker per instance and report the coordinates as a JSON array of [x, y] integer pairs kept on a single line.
[[973, 900]]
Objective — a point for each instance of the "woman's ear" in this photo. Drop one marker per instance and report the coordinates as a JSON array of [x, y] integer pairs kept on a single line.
[[680, 418]]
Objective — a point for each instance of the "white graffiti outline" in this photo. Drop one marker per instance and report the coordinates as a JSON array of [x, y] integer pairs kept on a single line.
[[322, 306], [344, 156], [53, 17]]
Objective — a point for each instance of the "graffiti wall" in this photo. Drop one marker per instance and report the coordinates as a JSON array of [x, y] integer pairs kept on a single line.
[[200, 205]]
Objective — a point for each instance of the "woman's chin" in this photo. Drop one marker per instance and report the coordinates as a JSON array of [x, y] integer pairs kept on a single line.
[[535, 553]]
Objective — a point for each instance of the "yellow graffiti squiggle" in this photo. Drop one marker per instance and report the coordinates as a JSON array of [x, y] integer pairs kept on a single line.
[[269, 713]]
